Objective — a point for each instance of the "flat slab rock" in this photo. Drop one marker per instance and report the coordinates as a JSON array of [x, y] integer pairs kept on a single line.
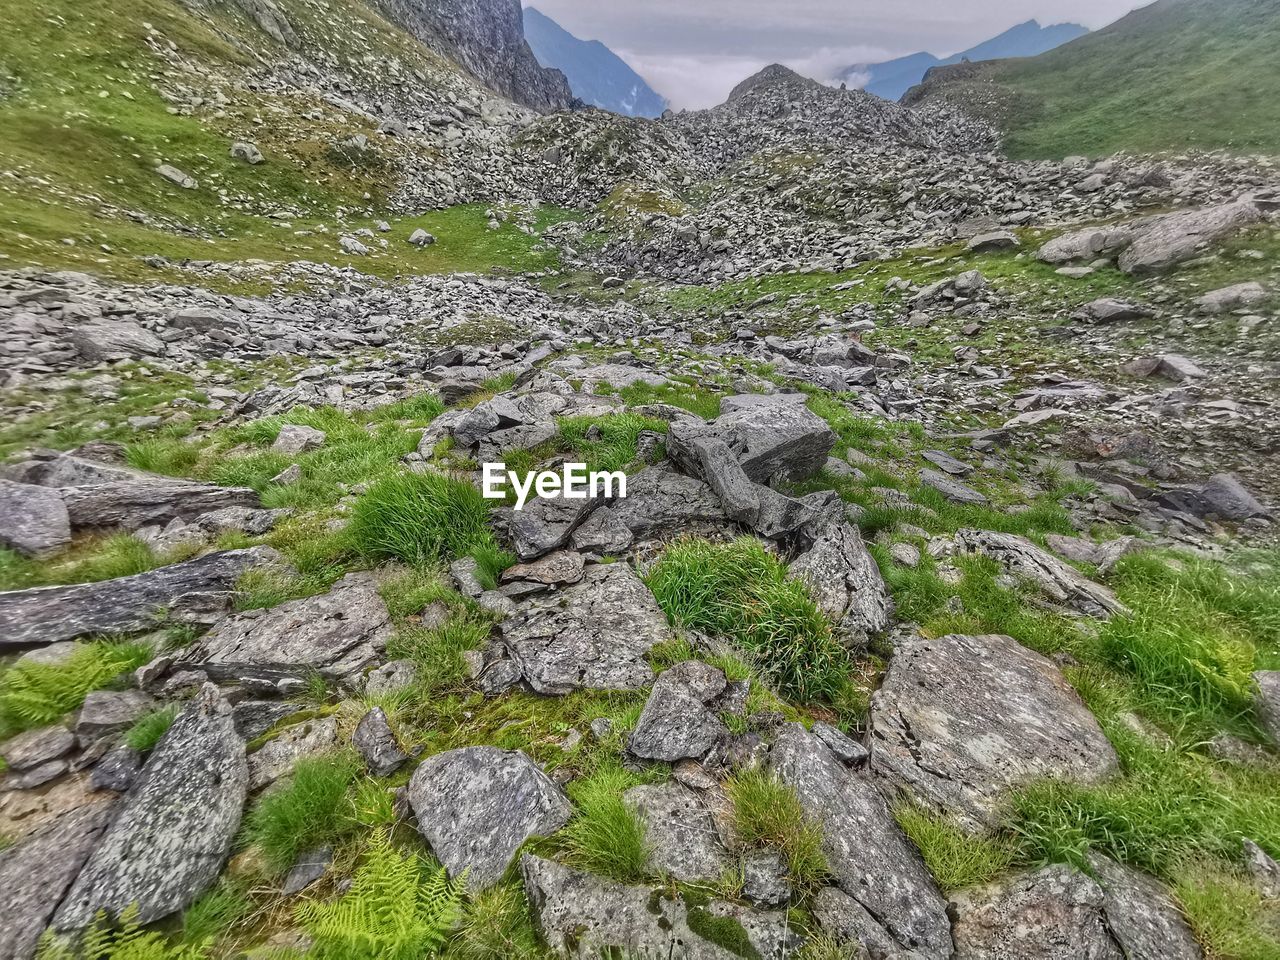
[[338, 634], [33, 520], [593, 635], [960, 721], [131, 504], [174, 830], [582, 915], [845, 581], [680, 831], [871, 860], [659, 504], [476, 806], [1057, 580], [198, 591]]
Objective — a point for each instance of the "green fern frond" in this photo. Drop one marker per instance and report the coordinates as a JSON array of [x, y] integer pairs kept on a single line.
[[128, 941]]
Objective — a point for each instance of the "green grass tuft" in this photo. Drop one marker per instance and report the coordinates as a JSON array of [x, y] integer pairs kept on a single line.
[[147, 731], [767, 813], [308, 811], [604, 836], [421, 518], [955, 858]]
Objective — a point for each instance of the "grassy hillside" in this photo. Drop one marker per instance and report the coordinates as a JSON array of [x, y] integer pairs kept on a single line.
[[1176, 75]]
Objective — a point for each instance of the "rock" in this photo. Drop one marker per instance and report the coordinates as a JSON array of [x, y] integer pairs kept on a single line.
[[293, 440], [174, 829], [288, 476], [352, 246], [676, 722], [867, 854], [34, 777], [35, 874], [846, 921], [1109, 310], [420, 238], [35, 747], [593, 635], [110, 711], [376, 744], [953, 490], [1057, 580], [1171, 366], [391, 679], [102, 340], [477, 805], [947, 463], [339, 635], [1141, 915], [309, 868], [1229, 298], [247, 152], [278, 756], [1056, 911], [1263, 869], [847, 750], [765, 878], [555, 570], [545, 525], [253, 718], [176, 176], [660, 503], [845, 581], [118, 770], [198, 591], [679, 832], [580, 915], [1266, 703], [33, 520], [989, 242], [1169, 240], [959, 722], [772, 437]]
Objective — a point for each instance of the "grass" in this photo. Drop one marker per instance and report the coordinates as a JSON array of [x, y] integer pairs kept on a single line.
[[615, 446], [740, 591], [604, 836], [310, 810], [89, 561], [496, 926], [955, 858], [438, 651], [421, 518], [37, 694], [147, 731], [1227, 913], [767, 813]]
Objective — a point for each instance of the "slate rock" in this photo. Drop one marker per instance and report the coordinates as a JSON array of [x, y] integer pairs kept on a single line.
[[391, 678], [762, 509], [339, 635], [253, 718], [845, 581], [1141, 915], [870, 858], [376, 744], [1167, 241], [677, 721], [35, 747], [175, 827], [145, 500], [1229, 298], [308, 869], [118, 770], [33, 520], [952, 489], [961, 721], [105, 340], [110, 711], [843, 919], [477, 805], [545, 524], [554, 570], [680, 833], [278, 756], [659, 504], [198, 591]]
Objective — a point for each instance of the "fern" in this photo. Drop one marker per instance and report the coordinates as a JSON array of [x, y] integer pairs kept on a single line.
[[397, 909], [127, 942], [37, 694]]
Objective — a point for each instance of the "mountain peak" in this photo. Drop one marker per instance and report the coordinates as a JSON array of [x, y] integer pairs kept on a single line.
[[776, 74]]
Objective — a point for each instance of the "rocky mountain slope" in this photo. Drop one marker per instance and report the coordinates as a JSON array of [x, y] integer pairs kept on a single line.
[[893, 78], [938, 619], [596, 74], [1172, 75]]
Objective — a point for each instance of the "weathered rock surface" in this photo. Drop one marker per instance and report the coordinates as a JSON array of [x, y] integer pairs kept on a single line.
[[477, 805], [377, 745], [198, 591], [1141, 915], [680, 832], [1267, 701], [660, 504], [960, 721], [867, 854], [277, 757], [845, 581], [33, 520], [130, 504], [676, 722], [174, 829], [338, 634]]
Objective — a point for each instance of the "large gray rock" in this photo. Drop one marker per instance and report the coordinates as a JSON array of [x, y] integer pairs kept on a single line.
[[593, 635], [545, 525], [1087, 244], [477, 805], [103, 340], [1059, 581], [198, 591], [871, 860], [1167, 241], [952, 489], [376, 743], [175, 826], [35, 874], [677, 722], [845, 581], [1055, 912], [33, 520], [1229, 298], [771, 436], [1141, 915], [846, 921], [1223, 497], [36, 747], [960, 721], [110, 711], [680, 832], [659, 505], [145, 500], [581, 915], [339, 635]]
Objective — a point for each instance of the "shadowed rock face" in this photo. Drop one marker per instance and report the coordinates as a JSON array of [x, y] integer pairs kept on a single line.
[[487, 38]]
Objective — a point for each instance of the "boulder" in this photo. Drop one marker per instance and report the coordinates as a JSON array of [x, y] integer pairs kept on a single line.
[[997, 240], [961, 721], [278, 756], [1171, 366], [247, 152], [198, 591], [952, 489], [581, 915], [376, 744], [174, 830], [1141, 915], [1165, 242], [477, 806], [1229, 298], [659, 504], [1266, 703], [869, 857], [144, 500], [107, 340], [110, 711], [845, 581], [546, 524], [1109, 310], [592, 635], [680, 833], [294, 439], [772, 437], [339, 635], [676, 722], [420, 238], [1057, 580], [33, 520], [1223, 497]]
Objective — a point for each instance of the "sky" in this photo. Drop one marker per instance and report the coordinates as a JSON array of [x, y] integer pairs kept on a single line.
[[693, 52]]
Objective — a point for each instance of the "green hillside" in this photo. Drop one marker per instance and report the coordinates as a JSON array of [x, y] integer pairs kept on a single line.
[[1177, 75]]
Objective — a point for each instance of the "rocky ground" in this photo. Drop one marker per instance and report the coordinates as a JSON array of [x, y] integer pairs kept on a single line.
[[939, 619]]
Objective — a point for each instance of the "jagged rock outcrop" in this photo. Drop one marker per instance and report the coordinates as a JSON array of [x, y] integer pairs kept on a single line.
[[845, 581]]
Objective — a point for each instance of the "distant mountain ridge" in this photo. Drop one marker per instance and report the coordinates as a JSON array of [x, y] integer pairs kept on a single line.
[[892, 78], [596, 74]]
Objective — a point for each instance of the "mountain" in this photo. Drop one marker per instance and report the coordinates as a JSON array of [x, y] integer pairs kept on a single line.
[[892, 78], [1177, 74], [596, 74], [487, 38]]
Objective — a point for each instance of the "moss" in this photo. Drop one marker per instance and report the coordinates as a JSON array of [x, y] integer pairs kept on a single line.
[[725, 932]]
